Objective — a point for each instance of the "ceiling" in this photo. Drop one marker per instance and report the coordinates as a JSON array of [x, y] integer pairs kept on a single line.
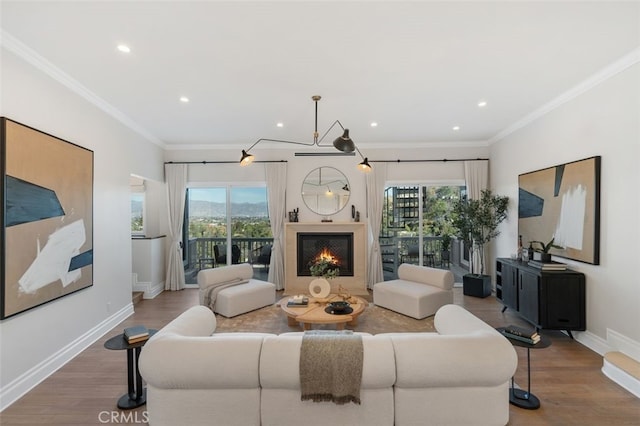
[[416, 68]]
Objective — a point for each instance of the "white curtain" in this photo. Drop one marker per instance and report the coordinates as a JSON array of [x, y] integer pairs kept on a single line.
[[476, 176], [276, 176], [176, 177], [375, 201]]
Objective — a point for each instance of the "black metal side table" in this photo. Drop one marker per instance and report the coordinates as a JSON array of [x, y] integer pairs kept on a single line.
[[519, 397], [137, 394]]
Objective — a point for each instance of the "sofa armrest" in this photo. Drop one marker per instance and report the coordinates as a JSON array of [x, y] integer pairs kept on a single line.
[[221, 361], [428, 360], [206, 277], [426, 275]]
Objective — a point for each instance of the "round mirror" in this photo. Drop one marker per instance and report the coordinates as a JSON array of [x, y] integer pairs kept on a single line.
[[325, 191]]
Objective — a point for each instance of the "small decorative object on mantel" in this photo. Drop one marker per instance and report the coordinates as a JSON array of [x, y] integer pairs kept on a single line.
[[326, 219], [293, 215]]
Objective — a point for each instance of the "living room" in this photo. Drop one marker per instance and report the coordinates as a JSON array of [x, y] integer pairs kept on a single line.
[[592, 112]]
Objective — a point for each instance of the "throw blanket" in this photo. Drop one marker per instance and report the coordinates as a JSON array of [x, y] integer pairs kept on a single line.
[[209, 294], [331, 366]]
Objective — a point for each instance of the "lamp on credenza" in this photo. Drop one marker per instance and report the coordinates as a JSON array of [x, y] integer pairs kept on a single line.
[[342, 143]]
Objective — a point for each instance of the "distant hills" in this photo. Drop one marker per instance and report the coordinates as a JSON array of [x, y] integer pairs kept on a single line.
[[199, 208]]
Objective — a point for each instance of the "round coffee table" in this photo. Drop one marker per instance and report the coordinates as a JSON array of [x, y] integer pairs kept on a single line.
[[314, 312]]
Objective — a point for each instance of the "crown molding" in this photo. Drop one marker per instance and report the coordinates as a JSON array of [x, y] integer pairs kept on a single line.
[[604, 74], [32, 57]]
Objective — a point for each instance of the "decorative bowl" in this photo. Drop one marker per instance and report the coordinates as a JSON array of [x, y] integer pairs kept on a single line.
[[339, 306]]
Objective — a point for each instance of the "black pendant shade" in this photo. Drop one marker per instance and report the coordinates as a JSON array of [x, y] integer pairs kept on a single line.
[[344, 143]]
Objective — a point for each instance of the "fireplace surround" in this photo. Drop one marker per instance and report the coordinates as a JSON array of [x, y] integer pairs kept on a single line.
[[348, 239]]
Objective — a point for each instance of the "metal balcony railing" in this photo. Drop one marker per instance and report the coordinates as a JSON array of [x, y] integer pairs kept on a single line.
[[200, 250]]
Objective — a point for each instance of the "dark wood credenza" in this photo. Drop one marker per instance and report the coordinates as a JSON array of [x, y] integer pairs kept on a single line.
[[553, 300]]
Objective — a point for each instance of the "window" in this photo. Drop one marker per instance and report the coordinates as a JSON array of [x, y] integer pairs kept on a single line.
[[137, 205], [227, 225]]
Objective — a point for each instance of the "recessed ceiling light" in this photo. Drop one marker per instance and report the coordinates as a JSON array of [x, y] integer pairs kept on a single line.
[[184, 99], [456, 128], [124, 48], [374, 124], [482, 104], [280, 124]]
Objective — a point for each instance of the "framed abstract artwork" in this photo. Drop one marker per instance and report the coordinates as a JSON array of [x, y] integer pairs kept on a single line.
[[46, 245], [562, 203]]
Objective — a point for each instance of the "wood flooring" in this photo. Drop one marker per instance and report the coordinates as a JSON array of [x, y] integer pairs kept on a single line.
[[566, 377]]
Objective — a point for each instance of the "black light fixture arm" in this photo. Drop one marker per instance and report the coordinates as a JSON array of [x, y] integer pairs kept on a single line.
[[277, 140], [327, 132]]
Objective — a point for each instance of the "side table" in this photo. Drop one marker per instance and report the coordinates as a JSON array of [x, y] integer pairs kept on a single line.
[[519, 397], [137, 394]]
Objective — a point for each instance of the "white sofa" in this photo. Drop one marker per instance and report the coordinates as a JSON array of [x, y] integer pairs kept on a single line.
[[236, 299], [418, 292], [458, 375]]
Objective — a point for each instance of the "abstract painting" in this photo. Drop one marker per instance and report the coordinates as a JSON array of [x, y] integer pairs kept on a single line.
[[562, 203], [47, 222]]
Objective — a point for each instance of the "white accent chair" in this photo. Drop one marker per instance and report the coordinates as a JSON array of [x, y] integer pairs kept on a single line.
[[236, 299], [418, 292]]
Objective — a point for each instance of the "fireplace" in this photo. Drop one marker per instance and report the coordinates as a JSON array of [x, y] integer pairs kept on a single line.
[[350, 237], [334, 246]]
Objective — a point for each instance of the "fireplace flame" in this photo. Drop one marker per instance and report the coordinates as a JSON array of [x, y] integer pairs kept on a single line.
[[326, 255]]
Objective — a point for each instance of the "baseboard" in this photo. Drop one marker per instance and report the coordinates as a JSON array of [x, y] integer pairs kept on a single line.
[[149, 289], [34, 376], [591, 341]]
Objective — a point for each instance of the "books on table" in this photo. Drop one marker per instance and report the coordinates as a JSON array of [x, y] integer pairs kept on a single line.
[[522, 334], [298, 301], [137, 333], [548, 266]]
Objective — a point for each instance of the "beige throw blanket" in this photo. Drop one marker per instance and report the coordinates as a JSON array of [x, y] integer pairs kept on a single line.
[[331, 366], [209, 294]]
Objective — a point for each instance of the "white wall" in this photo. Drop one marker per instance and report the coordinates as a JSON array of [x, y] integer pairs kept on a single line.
[[36, 342], [602, 121]]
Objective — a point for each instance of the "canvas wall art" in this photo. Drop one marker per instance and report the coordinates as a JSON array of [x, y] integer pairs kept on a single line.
[[563, 203], [47, 220]]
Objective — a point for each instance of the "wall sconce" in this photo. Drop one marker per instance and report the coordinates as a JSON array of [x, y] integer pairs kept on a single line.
[[342, 143]]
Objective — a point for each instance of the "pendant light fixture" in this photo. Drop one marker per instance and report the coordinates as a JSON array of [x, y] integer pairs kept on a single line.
[[343, 143]]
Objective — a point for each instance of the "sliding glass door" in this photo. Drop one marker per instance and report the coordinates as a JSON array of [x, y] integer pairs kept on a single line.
[[417, 226], [226, 225]]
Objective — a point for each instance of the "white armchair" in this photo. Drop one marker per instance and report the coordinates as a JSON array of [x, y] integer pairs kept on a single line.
[[418, 292]]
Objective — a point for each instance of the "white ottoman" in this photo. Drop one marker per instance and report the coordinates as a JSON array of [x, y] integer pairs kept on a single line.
[[242, 298]]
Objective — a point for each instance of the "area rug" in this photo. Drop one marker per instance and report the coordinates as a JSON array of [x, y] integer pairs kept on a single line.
[[374, 320]]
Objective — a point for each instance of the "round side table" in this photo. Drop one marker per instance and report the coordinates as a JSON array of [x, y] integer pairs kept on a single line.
[[137, 394], [519, 397]]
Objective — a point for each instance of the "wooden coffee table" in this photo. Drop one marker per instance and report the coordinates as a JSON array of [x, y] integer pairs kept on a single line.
[[314, 312]]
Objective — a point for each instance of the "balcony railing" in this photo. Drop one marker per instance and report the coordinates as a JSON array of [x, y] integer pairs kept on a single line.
[[200, 250], [397, 250]]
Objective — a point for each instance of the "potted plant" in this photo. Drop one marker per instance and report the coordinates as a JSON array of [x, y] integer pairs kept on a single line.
[[543, 249], [445, 241], [477, 223]]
